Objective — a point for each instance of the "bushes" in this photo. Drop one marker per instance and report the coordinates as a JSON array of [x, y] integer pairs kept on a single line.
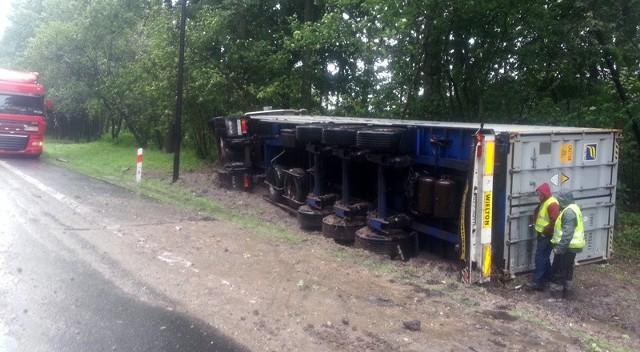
[[626, 239]]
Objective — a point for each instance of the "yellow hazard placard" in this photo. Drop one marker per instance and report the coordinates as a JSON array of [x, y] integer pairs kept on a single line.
[[486, 260], [486, 210], [489, 158], [566, 153]]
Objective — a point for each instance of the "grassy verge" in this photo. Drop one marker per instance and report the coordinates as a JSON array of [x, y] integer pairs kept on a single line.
[[626, 238], [106, 158], [115, 162]]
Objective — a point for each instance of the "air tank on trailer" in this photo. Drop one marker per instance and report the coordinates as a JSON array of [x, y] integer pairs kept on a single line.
[[424, 197], [444, 198]]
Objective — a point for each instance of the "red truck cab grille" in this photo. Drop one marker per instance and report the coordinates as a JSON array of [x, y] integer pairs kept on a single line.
[[12, 142]]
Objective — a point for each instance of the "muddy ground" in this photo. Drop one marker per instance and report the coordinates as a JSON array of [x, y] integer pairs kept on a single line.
[[316, 295]]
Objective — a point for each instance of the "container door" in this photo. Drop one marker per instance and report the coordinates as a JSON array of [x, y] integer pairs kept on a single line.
[[586, 163]]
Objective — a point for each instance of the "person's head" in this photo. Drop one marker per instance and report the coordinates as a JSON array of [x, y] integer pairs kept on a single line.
[[564, 197], [543, 192]]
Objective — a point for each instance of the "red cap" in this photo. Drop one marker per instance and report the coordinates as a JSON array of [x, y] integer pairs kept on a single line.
[[544, 189]]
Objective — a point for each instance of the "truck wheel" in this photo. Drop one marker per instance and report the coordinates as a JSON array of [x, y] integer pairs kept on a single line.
[[341, 135], [379, 139], [341, 230], [310, 219], [368, 239], [296, 185], [397, 245], [311, 133], [275, 181]]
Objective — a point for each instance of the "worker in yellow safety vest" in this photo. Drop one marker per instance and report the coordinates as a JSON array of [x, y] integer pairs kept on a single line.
[[568, 240], [545, 216]]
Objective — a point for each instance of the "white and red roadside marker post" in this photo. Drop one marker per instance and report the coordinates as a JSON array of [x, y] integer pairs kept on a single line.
[[139, 166]]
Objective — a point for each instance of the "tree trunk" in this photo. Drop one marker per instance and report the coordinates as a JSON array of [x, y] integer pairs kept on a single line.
[[305, 89], [241, 17], [168, 146]]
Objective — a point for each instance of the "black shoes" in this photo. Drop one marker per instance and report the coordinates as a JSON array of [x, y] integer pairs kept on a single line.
[[535, 286]]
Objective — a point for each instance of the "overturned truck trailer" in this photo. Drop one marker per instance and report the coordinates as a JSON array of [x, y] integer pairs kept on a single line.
[[466, 191]]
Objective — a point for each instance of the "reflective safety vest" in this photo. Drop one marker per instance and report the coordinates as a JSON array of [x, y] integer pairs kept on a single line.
[[578, 233], [543, 214]]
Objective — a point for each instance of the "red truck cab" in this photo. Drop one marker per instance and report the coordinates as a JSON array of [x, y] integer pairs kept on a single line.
[[22, 113]]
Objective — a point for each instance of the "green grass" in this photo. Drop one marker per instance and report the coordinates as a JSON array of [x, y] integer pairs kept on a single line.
[[535, 321], [367, 260], [626, 238], [115, 161], [106, 158], [598, 345]]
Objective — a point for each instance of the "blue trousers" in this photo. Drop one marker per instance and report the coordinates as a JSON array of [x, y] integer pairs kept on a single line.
[[542, 272]]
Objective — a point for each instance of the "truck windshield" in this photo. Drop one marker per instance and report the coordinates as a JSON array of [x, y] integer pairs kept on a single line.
[[21, 104]]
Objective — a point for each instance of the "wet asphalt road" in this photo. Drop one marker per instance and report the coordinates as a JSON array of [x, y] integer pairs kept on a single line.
[[52, 298]]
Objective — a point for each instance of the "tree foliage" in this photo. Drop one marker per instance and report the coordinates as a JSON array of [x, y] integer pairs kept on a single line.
[[110, 65]]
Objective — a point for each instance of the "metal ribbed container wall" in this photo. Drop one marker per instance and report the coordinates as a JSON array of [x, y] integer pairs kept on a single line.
[[585, 162], [480, 181]]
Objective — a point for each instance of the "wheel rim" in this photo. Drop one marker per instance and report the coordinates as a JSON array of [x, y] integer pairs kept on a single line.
[[290, 190]]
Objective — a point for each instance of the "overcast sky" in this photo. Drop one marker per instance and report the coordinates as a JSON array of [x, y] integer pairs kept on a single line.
[[5, 5]]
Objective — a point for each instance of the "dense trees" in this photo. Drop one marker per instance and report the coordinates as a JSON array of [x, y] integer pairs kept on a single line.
[[111, 64]]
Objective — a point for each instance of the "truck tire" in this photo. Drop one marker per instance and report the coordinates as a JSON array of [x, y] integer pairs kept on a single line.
[[340, 135], [310, 219], [396, 245], [275, 181], [296, 185], [341, 230], [311, 133], [379, 139]]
